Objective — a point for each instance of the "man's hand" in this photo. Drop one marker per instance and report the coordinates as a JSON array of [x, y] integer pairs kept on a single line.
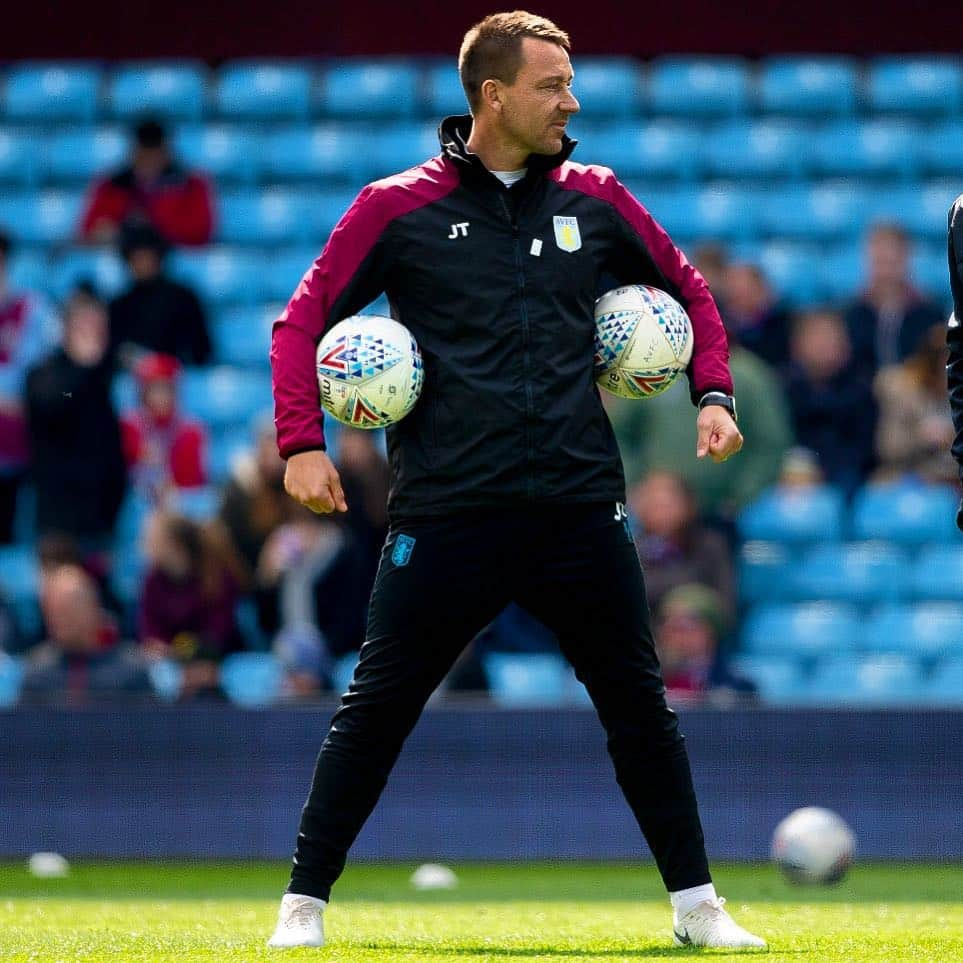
[[311, 479], [717, 434]]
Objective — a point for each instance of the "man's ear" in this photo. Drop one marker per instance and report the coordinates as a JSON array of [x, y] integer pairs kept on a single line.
[[491, 95]]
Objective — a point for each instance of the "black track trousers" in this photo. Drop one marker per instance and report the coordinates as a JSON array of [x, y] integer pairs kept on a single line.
[[441, 580]]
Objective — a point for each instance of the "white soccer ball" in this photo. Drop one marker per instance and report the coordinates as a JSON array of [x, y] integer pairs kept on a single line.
[[813, 845], [369, 371], [643, 341]]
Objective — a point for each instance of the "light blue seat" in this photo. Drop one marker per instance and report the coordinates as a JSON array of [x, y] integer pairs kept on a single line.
[[264, 90], [342, 671], [699, 87], [880, 680], [809, 86], [938, 574], [166, 679], [200, 504], [725, 213], [607, 86], [79, 155], [47, 217], [945, 684], [796, 516], [322, 212], [20, 582], [873, 147], [19, 157], [675, 208], [766, 148], [52, 92], [285, 270], [802, 630], [943, 148], [778, 679], [860, 572], [917, 85], [174, 90], [252, 679], [907, 513], [103, 267], [232, 154], [325, 151], [395, 147], [925, 208], [242, 336], [360, 89], [128, 570], [833, 210], [765, 569], [11, 680], [792, 269], [926, 629], [929, 270], [226, 449], [221, 275], [444, 94], [123, 391], [903, 204], [29, 271], [224, 396], [840, 269], [659, 149], [266, 217], [527, 680]]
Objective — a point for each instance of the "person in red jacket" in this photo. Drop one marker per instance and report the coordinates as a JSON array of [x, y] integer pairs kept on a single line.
[[155, 188], [162, 449]]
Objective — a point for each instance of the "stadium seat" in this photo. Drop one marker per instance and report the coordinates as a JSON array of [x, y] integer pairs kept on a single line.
[[330, 151], [725, 213], [342, 672], [46, 92], [227, 153], [527, 680], [166, 679], [698, 87], [927, 629], [915, 85], [803, 630], [675, 209], [828, 211], [871, 680], [287, 267], [20, 160], [221, 275], [47, 217], [861, 572], [200, 503], [659, 149], [396, 147], [937, 574], [928, 268], [789, 268], [361, 89], [608, 86], [225, 449], [764, 572], [909, 513], [444, 94], [80, 155], [242, 336], [778, 679], [264, 90], [766, 148], [175, 91], [11, 679], [840, 270], [872, 147], [102, 267], [29, 271], [123, 391], [271, 216], [943, 148], [19, 583], [944, 687], [810, 86], [251, 679], [795, 516], [925, 207], [224, 396]]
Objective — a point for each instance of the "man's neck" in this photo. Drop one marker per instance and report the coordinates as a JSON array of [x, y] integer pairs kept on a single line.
[[494, 150]]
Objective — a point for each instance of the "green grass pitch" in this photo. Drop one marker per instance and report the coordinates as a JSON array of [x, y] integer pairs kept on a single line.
[[537, 913]]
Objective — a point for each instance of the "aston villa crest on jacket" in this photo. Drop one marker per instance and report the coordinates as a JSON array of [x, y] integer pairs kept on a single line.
[[567, 235]]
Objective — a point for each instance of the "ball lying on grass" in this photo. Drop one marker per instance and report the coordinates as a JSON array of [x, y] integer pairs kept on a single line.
[[433, 876]]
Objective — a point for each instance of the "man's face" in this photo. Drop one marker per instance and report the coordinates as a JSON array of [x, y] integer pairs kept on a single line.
[[888, 259], [149, 162], [538, 105]]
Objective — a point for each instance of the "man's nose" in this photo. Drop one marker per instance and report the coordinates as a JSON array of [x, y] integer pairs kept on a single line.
[[570, 104]]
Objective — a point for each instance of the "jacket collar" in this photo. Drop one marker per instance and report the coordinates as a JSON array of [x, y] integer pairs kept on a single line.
[[453, 134]]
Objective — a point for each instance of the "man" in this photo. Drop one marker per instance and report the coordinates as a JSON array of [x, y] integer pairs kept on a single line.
[[155, 314], [506, 478], [954, 334], [154, 188]]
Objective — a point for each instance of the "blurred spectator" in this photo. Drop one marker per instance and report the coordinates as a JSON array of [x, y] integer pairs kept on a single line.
[[888, 319], [188, 600], [152, 187], [711, 261], [753, 316], [82, 656], [155, 313], [661, 433], [831, 399], [11, 636], [800, 469], [675, 549], [163, 450], [25, 335], [77, 458], [915, 428], [691, 624]]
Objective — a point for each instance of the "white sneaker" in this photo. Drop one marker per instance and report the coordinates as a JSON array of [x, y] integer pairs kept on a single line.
[[708, 924], [300, 922]]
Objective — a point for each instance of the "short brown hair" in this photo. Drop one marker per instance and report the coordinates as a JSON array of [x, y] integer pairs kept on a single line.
[[493, 48]]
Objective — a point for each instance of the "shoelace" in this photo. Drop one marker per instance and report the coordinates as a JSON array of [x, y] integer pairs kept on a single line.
[[301, 914]]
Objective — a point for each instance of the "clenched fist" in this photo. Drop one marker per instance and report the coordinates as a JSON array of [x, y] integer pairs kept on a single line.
[[718, 436], [311, 479]]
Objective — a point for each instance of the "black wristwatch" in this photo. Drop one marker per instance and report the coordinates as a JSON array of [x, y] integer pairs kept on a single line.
[[721, 399]]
